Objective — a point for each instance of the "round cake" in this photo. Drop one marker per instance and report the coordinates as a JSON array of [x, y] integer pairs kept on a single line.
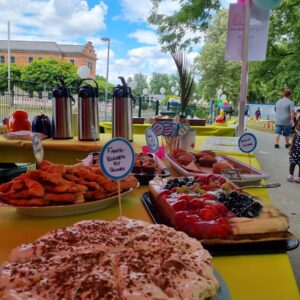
[[122, 259]]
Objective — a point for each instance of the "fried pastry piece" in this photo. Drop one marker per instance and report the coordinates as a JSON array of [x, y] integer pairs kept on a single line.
[[99, 194], [56, 168], [128, 183], [5, 186], [23, 194], [34, 187], [110, 186], [91, 176], [41, 175], [89, 184], [18, 183]]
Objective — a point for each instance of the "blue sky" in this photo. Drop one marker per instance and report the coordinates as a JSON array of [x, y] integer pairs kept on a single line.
[[134, 44]]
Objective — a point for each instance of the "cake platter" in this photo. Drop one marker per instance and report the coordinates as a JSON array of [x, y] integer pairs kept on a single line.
[[227, 247], [250, 175], [67, 209]]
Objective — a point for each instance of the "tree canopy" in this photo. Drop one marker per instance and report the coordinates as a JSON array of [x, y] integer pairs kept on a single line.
[[192, 17], [267, 79], [141, 83], [46, 73], [15, 74]]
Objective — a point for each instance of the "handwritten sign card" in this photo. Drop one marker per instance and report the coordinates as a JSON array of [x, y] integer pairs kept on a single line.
[[37, 147], [152, 140], [247, 142], [117, 159]]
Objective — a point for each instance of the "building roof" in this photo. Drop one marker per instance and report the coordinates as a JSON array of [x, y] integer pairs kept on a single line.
[[41, 46]]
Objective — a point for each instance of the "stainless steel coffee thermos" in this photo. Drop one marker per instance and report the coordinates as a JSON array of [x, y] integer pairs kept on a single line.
[[122, 111], [62, 112], [88, 118]]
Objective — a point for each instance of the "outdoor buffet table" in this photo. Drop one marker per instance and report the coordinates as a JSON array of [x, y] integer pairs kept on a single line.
[[264, 277], [64, 151], [207, 130]]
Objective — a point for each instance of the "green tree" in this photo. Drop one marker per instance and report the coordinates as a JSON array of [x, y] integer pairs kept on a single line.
[[47, 72], [281, 67], [15, 75], [102, 85], [140, 81], [193, 16], [216, 73], [159, 80]]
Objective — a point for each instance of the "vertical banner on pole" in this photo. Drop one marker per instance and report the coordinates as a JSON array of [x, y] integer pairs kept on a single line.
[[246, 29]]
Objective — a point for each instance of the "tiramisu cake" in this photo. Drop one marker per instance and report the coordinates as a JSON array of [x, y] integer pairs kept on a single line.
[[123, 259], [212, 209]]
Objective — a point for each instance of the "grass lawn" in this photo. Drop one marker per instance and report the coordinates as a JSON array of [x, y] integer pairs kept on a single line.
[[259, 125]]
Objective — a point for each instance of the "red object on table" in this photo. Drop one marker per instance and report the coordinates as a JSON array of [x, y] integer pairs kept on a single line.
[[19, 121]]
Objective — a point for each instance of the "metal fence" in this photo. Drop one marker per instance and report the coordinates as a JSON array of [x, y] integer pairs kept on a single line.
[[35, 102]]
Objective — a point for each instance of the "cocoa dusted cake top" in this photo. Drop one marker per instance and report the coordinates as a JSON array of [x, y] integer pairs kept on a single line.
[[122, 259]]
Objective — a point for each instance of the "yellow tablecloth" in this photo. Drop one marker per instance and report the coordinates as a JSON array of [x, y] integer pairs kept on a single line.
[[206, 130], [249, 277], [70, 151]]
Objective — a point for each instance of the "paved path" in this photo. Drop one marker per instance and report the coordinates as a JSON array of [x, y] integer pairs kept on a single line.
[[287, 196]]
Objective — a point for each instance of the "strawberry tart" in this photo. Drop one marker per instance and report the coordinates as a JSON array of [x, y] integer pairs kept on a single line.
[[123, 259], [212, 209]]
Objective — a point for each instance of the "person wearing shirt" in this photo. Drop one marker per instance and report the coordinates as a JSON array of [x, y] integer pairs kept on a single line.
[[284, 118]]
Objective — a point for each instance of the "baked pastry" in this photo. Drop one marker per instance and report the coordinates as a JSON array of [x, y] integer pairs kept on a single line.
[[144, 163], [206, 161], [210, 208], [218, 168], [123, 259]]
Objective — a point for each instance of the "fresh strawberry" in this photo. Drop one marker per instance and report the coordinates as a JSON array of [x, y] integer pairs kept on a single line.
[[195, 203], [185, 197], [222, 209], [206, 187], [215, 230], [212, 208], [179, 205], [174, 190], [192, 219], [207, 214], [209, 196]]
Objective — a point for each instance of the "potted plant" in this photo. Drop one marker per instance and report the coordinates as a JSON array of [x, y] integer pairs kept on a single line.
[[186, 77]]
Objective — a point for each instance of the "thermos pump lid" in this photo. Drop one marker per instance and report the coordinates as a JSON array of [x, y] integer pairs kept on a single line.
[[88, 91], [122, 91], [61, 91]]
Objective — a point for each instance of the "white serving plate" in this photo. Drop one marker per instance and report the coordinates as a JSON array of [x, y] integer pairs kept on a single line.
[[67, 210], [246, 179]]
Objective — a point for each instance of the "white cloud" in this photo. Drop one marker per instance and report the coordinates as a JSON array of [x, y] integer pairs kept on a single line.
[[52, 19], [145, 37], [146, 60], [134, 11]]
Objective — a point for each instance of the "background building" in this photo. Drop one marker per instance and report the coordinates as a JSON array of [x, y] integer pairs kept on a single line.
[[24, 52]]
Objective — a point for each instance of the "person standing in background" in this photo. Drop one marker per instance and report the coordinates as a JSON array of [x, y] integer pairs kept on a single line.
[[257, 114], [284, 118]]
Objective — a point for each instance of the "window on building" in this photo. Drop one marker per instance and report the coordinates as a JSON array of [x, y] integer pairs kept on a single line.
[[12, 59], [72, 61], [2, 59], [30, 59]]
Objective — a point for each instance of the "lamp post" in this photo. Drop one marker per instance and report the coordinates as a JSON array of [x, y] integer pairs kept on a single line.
[[106, 39]]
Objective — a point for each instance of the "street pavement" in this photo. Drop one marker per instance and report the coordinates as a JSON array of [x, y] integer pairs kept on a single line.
[[287, 196]]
